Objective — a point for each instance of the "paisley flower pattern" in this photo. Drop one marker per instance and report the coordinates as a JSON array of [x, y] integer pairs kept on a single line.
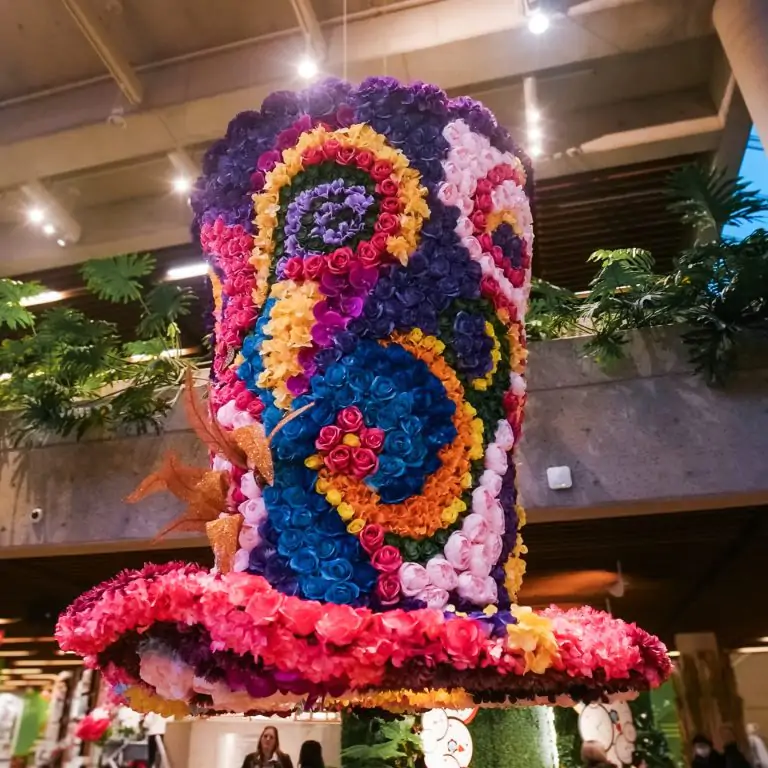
[[370, 251]]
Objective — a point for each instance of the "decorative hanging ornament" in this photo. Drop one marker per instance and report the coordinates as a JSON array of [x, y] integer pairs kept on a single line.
[[371, 251]]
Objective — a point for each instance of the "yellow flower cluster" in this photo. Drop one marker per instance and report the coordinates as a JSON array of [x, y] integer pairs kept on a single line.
[[142, 700], [514, 568], [405, 700], [533, 635], [411, 194], [483, 383], [288, 330]]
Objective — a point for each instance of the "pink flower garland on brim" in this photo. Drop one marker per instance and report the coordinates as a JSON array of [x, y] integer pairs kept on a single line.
[[325, 642]]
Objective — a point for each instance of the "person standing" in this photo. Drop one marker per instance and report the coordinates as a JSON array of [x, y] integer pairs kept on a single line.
[[268, 753], [757, 747], [705, 755], [311, 755]]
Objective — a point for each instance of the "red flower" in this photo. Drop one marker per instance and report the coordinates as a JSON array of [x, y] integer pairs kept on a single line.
[[313, 266], [483, 203], [313, 156], [462, 639], [379, 241], [479, 221], [364, 462], [364, 159], [381, 170], [387, 559], [484, 187], [294, 268], [264, 606], [390, 205], [350, 419], [517, 277], [243, 400], [367, 255], [372, 438], [92, 729], [387, 223], [329, 437], [346, 155], [340, 625], [331, 149], [496, 175], [338, 261], [387, 187], [388, 588], [372, 537], [339, 458], [301, 616]]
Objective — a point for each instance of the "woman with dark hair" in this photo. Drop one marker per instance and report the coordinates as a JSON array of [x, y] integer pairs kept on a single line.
[[593, 756], [311, 755], [268, 754]]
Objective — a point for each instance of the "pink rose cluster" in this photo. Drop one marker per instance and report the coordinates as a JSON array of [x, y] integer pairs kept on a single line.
[[232, 246], [323, 643], [481, 180], [348, 446], [470, 553]]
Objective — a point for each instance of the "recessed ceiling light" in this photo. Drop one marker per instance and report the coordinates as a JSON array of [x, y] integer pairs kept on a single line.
[[26, 640], [534, 134], [538, 23], [535, 150], [5, 622], [36, 215], [307, 68], [61, 242], [44, 297], [15, 654], [182, 185], [49, 229], [22, 672], [186, 271], [49, 663]]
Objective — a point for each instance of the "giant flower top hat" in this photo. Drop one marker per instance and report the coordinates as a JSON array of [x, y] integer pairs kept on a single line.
[[370, 252]]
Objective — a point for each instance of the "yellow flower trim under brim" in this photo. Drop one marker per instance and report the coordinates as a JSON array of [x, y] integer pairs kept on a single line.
[[411, 194], [216, 291], [440, 503], [405, 700], [287, 332], [533, 635], [142, 700]]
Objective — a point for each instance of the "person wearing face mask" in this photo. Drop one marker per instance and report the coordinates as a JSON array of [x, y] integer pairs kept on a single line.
[[705, 755]]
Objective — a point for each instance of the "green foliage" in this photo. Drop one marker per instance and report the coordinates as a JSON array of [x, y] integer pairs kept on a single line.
[[708, 200], [568, 738], [510, 738], [718, 289], [369, 741], [13, 313], [118, 279], [68, 373]]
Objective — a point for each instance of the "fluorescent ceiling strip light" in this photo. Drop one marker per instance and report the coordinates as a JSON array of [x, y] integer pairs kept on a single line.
[[187, 271]]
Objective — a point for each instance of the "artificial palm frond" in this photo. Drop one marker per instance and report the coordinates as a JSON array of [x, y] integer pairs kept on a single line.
[[13, 312], [709, 199], [118, 279]]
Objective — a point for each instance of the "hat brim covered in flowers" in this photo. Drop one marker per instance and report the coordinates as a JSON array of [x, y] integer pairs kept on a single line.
[[370, 252]]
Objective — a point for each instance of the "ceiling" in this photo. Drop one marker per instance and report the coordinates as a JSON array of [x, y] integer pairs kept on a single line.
[[124, 84], [688, 572]]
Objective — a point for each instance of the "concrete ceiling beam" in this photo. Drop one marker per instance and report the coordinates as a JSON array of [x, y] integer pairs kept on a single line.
[[310, 27], [457, 48], [107, 50]]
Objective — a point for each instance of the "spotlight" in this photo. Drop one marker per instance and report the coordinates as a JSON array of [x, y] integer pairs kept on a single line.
[[182, 184], [534, 134], [535, 150], [49, 229], [186, 271], [61, 242], [307, 68], [36, 215], [538, 23], [533, 115]]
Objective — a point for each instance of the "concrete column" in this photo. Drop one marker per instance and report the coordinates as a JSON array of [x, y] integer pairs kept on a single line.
[[707, 699], [743, 29]]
